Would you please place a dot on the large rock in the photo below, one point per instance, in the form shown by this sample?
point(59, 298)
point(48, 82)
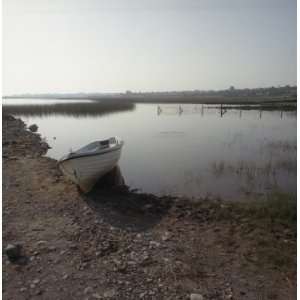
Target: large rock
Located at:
point(13, 251)
point(33, 128)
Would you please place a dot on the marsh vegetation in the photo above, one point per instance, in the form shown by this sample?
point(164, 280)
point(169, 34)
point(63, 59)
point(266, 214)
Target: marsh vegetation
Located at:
point(74, 109)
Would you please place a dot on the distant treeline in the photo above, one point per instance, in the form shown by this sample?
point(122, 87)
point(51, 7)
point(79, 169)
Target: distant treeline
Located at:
point(283, 91)
point(79, 109)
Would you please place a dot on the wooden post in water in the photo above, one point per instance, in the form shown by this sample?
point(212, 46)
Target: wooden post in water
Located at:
point(222, 111)
point(281, 114)
point(158, 110)
point(202, 108)
point(180, 110)
point(260, 114)
point(240, 113)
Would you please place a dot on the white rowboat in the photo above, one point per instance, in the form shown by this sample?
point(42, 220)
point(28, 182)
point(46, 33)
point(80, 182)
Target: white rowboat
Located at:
point(88, 164)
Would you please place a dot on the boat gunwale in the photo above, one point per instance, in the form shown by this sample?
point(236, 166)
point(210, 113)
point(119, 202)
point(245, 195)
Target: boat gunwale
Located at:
point(74, 155)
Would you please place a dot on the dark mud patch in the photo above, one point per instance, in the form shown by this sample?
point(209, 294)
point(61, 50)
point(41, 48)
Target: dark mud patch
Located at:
point(127, 210)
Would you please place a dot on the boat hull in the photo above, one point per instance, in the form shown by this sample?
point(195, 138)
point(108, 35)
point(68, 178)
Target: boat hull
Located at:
point(85, 171)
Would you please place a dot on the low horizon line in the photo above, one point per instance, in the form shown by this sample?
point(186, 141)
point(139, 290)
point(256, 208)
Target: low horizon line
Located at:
point(154, 91)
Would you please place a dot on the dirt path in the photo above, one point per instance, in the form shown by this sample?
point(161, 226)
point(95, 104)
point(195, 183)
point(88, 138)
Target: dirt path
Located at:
point(113, 244)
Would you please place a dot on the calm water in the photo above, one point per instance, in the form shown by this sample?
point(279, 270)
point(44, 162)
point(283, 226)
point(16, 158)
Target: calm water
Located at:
point(185, 149)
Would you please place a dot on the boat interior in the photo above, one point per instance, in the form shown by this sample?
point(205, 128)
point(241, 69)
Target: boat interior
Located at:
point(98, 145)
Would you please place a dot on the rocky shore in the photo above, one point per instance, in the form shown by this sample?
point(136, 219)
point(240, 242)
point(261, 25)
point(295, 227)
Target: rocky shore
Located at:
point(116, 244)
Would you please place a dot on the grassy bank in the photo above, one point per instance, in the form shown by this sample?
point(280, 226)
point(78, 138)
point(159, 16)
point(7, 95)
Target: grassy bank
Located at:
point(278, 209)
point(269, 226)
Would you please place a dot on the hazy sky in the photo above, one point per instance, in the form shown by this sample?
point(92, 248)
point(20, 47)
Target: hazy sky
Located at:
point(146, 45)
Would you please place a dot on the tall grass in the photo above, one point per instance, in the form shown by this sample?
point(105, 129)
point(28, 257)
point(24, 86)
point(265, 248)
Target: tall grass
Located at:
point(276, 209)
point(95, 108)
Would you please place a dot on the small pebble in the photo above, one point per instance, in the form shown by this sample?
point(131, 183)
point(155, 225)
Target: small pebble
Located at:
point(87, 290)
point(196, 297)
point(36, 281)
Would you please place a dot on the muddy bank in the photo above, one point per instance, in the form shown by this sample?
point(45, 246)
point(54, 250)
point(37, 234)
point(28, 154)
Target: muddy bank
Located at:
point(115, 244)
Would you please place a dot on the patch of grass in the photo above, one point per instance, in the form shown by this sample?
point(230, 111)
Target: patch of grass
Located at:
point(278, 208)
point(265, 230)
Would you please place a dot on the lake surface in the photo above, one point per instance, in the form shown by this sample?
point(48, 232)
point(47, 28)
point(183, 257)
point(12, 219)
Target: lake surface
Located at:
point(181, 149)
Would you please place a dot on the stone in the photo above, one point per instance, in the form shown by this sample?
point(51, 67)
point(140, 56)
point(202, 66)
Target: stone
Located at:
point(38, 292)
point(88, 290)
point(196, 297)
point(45, 146)
point(166, 236)
point(33, 128)
point(109, 294)
point(73, 246)
point(154, 244)
point(41, 243)
point(36, 281)
point(13, 251)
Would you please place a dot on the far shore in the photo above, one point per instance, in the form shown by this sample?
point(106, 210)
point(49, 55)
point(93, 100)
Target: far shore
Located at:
point(196, 99)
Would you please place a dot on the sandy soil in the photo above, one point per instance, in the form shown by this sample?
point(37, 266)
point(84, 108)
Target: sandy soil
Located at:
point(114, 244)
